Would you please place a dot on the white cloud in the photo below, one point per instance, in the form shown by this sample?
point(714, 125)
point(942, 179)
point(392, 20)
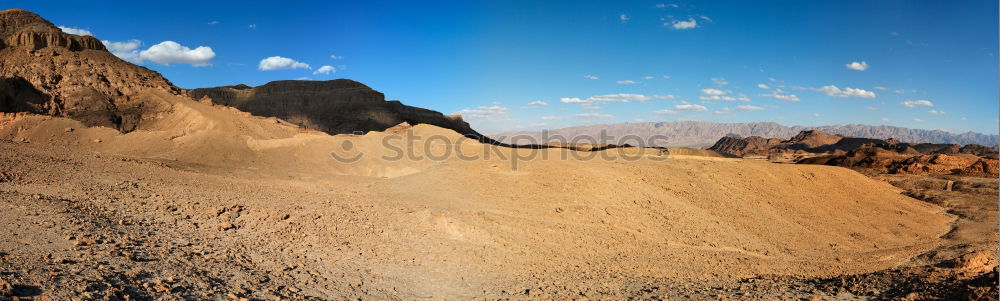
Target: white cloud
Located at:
point(553, 118)
point(590, 106)
point(745, 108)
point(537, 103)
point(710, 91)
point(914, 103)
point(167, 52)
point(832, 90)
point(608, 98)
point(721, 81)
point(710, 94)
point(918, 120)
point(776, 94)
point(724, 111)
point(711, 98)
point(213, 23)
point(620, 97)
point(816, 115)
point(852, 92)
point(885, 119)
point(624, 18)
point(690, 107)
point(871, 108)
point(763, 86)
point(126, 50)
point(325, 70)
point(862, 66)
point(626, 82)
point(647, 77)
point(936, 112)
point(336, 57)
point(76, 31)
point(663, 5)
point(590, 77)
point(277, 62)
point(252, 26)
point(683, 107)
point(881, 88)
point(690, 23)
point(494, 112)
point(963, 118)
point(665, 76)
point(593, 115)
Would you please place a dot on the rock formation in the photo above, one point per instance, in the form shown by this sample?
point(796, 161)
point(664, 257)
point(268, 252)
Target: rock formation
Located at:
point(876, 155)
point(336, 106)
point(743, 147)
point(46, 71)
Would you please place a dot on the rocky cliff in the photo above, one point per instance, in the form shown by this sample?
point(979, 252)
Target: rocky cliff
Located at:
point(745, 146)
point(877, 155)
point(336, 106)
point(46, 71)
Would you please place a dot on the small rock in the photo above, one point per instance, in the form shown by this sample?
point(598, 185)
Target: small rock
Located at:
point(69, 129)
point(6, 289)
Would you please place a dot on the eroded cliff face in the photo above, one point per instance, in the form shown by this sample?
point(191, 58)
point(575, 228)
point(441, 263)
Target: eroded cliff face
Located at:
point(336, 106)
point(46, 71)
point(877, 155)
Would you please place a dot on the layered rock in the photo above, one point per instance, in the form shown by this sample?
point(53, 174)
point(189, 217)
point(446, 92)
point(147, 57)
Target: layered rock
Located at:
point(745, 146)
point(873, 155)
point(46, 71)
point(336, 106)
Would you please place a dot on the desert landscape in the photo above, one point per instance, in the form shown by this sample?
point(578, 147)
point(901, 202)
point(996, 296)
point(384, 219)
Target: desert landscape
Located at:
point(116, 184)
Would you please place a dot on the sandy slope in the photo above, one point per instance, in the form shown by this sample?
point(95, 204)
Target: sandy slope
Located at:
point(270, 199)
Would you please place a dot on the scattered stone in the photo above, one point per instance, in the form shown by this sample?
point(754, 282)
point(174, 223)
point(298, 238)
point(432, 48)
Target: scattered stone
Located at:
point(6, 289)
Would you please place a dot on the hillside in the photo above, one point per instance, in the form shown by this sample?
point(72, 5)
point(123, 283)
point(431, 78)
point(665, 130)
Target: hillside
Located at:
point(700, 133)
point(340, 106)
point(46, 71)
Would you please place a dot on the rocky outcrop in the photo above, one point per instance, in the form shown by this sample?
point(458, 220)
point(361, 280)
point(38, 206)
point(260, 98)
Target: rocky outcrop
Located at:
point(46, 71)
point(745, 146)
point(872, 155)
point(991, 152)
point(336, 106)
point(945, 164)
point(984, 167)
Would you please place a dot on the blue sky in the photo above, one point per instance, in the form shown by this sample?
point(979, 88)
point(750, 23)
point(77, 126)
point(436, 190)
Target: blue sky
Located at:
point(527, 65)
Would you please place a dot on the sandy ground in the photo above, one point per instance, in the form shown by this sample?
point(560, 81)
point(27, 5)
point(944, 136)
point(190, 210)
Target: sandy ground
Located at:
point(206, 202)
point(91, 226)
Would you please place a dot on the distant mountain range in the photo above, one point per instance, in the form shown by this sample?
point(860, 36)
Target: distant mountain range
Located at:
point(700, 133)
